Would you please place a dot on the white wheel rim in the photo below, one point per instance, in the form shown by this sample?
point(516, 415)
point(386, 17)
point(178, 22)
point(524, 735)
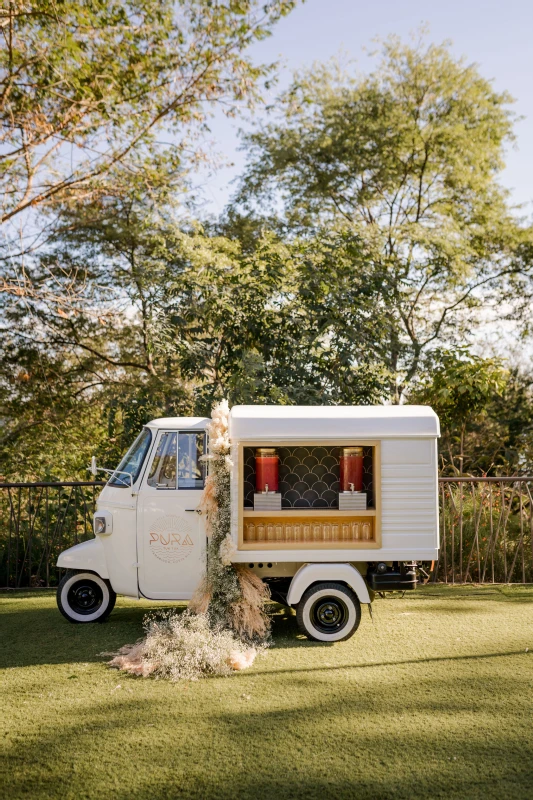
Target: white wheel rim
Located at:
point(320, 635)
point(80, 576)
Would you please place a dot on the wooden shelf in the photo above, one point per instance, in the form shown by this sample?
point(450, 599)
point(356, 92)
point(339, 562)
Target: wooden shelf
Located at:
point(309, 546)
point(309, 512)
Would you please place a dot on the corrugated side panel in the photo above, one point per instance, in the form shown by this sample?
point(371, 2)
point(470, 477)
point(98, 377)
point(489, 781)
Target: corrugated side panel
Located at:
point(409, 502)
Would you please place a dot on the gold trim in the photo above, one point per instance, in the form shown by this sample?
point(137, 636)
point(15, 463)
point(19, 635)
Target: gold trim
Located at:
point(310, 512)
point(360, 545)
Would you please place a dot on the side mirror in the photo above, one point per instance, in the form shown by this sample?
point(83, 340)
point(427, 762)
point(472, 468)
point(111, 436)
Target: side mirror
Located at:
point(95, 470)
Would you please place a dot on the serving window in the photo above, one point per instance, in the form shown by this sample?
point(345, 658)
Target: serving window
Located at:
point(327, 495)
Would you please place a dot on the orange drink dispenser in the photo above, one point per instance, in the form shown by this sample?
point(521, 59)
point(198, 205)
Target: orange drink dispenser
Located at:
point(266, 470)
point(351, 469)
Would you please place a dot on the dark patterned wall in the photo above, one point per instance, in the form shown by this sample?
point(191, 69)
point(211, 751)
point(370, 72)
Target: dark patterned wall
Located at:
point(308, 476)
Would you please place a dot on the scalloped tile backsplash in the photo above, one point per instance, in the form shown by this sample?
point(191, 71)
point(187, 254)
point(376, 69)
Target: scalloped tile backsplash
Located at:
point(308, 476)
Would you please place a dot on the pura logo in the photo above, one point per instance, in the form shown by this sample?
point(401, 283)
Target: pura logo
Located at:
point(171, 538)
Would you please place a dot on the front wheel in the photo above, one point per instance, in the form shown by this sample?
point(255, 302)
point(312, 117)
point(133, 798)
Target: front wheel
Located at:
point(85, 597)
point(329, 612)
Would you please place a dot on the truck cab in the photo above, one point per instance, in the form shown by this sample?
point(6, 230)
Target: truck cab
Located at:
point(149, 530)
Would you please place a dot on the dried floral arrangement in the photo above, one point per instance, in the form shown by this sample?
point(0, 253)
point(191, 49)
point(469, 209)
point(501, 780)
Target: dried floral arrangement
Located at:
point(226, 622)
point(231, 595)
point(183, 646)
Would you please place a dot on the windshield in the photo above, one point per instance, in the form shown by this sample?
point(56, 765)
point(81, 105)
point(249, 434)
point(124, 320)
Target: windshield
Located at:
point(133, 460)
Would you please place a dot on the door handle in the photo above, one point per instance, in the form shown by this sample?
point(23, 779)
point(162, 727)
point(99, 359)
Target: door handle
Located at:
point(192, 510)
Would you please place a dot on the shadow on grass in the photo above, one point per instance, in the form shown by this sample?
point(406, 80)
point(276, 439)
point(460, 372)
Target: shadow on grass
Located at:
point(393, 663)
point(34, 636)
point(333, 741)
point(38, 636)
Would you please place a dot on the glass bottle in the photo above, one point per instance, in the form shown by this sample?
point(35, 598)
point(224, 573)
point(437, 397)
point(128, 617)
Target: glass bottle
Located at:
point(250, 532)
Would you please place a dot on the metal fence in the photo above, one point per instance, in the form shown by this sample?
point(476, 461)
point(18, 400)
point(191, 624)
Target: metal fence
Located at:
point(486, 529)
point(37, 522)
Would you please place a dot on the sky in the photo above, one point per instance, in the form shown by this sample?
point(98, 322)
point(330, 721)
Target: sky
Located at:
point(494, 34)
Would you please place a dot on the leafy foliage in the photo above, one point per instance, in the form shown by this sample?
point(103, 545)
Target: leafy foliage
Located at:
point(170, 318)
point(86, 86)
point(460, 387)
point(406, 159)
point(370, 239)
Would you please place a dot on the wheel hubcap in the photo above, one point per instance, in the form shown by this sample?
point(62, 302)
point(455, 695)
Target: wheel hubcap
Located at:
point(85, 597)
point(329, 614)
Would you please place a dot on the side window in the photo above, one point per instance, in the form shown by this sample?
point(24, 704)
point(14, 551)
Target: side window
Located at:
point(163, 470)
point(191, 470)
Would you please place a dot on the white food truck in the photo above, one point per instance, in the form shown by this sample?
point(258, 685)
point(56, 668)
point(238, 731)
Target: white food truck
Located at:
point(329, 504)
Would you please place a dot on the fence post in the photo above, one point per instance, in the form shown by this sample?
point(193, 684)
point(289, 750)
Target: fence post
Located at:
point(31, 535)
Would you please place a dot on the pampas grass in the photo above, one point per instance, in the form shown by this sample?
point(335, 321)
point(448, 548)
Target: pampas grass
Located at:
point(248, 616)
point(230, 594)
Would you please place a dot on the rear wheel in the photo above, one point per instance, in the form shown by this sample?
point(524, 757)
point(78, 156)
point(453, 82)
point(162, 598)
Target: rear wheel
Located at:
point(329, 612)
point(85, 597)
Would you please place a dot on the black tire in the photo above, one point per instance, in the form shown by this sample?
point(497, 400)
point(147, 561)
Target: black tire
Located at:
point(328, 612)
point(84, 597)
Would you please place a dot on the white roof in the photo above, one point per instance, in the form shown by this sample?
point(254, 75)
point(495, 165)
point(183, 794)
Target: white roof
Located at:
point(336, 422)
point(179, 423)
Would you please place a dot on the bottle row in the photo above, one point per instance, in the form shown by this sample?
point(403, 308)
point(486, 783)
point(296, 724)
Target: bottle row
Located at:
point(313, 531)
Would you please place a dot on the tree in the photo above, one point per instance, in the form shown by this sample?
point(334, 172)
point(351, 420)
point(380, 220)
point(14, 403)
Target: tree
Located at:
point(407, 159)
point(102, 355)
point(497, 440)
point(460, 387)
point(170, 318)
point(86, 88)
point(284, 322)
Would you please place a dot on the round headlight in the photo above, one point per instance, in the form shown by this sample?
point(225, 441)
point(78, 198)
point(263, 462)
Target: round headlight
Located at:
point(99, 525)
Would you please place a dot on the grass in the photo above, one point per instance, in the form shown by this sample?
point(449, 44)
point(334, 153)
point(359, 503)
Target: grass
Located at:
point(433, 699)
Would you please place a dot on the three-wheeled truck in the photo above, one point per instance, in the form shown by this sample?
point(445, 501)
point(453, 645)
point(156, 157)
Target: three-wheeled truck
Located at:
point(329, 504)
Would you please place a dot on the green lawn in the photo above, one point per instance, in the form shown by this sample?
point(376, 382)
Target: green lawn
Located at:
point(432, 699)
